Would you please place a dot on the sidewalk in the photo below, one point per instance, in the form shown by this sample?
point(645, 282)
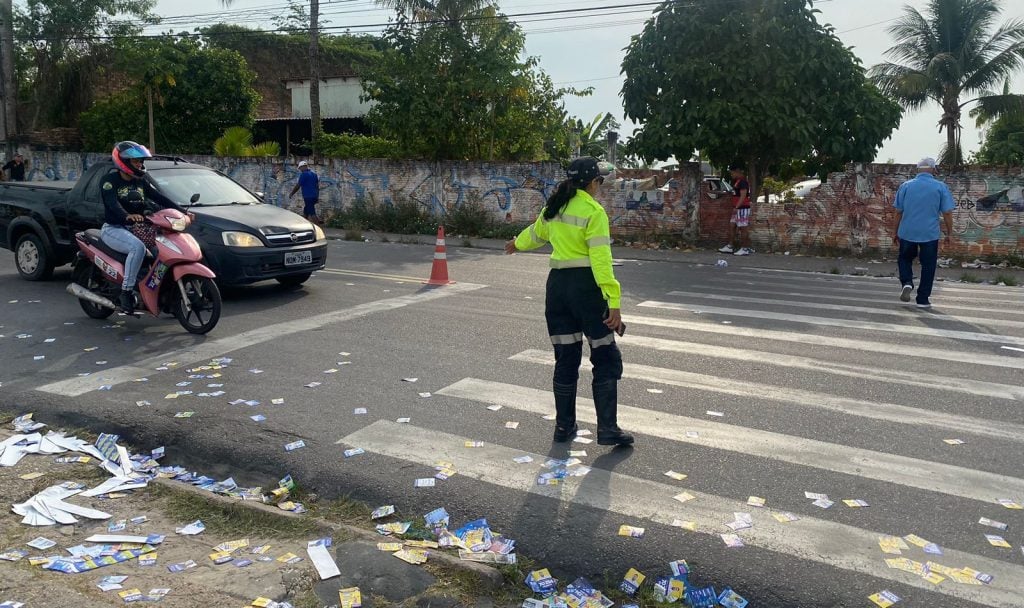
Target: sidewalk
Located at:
point(882, 267)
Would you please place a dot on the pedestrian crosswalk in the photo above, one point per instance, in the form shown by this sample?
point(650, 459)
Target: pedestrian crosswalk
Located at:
point(641, 498)
point(922, 377)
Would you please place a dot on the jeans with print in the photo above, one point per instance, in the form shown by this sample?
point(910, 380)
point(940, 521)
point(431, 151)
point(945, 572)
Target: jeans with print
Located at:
point(120, 239)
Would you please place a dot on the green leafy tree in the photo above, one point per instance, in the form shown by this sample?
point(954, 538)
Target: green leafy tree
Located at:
point(955, 49)
point(761, 84)
point(212, 92)
point(62, 47)
point(1004, 142)
point(454, 87)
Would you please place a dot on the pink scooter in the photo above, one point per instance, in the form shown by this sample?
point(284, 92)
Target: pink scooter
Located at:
point(176, 281)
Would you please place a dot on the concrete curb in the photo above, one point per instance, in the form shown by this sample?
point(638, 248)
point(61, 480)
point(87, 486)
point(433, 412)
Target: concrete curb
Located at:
point(488, 576)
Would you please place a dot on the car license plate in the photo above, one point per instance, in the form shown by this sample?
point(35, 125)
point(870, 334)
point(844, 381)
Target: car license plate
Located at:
point(297, 258)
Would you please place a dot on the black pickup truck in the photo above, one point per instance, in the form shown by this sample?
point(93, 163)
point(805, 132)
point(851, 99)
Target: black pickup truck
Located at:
point(243, 239)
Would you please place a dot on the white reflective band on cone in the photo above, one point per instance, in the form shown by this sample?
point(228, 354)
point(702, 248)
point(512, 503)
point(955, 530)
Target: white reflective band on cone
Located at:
point(440, 242)
point(441, 256)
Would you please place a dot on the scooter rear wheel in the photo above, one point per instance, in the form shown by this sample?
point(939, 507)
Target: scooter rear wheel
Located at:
point(85, 274)
point(204, 304)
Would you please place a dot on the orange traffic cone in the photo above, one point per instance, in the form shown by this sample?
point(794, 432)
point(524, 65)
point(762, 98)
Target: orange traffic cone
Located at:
point(439, 273)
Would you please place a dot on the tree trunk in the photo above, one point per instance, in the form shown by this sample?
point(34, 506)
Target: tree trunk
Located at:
point(314, 73)
point(753, 176)
point(8, 86)
point(152, 134)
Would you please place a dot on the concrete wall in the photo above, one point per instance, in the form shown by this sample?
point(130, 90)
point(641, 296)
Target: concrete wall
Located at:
point(852, 211)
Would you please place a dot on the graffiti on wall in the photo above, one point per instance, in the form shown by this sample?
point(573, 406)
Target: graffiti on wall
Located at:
point(853, 211)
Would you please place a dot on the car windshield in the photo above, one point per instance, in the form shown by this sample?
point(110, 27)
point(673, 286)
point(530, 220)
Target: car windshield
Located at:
point(213, 188)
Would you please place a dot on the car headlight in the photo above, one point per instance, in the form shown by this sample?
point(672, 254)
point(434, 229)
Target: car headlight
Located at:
point(319, 232)
point(179, 224)
point(241, 239)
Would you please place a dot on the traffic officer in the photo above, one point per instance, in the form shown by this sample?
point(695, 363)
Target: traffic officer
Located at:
point(583, 297)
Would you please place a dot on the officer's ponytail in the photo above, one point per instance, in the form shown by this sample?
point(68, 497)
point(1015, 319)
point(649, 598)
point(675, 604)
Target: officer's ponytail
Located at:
point(563, 194)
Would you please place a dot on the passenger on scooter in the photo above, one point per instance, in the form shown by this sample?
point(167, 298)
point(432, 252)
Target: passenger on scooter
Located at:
point(120, 210)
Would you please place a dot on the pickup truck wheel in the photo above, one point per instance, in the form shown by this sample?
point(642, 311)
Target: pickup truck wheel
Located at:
point(294, 280)
point(31, 259)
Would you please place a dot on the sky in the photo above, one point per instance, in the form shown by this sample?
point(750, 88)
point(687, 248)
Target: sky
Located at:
point(587, 51)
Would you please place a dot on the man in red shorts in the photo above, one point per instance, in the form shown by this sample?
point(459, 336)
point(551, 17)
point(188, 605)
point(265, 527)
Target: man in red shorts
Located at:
point(740, 221)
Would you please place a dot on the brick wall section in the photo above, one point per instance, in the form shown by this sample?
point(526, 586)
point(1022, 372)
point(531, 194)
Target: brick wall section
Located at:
point(852, 211)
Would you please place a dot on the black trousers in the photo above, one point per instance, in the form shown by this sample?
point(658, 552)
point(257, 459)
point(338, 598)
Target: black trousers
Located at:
point(574, 308)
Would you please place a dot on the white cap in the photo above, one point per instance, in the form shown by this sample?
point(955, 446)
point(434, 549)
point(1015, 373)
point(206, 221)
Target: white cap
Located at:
point(303, 163)
point(926, 163)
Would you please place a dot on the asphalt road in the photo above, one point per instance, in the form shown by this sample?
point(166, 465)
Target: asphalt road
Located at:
point(824, 384)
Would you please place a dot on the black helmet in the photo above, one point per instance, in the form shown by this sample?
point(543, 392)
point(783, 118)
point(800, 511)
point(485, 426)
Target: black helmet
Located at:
point(586, 169)
point(126, 151)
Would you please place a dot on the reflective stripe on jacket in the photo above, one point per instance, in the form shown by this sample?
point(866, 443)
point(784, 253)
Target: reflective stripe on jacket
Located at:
point(580, 238)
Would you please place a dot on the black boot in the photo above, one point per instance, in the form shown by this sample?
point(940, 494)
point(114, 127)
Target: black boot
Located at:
point(127, 301)
point(606, 401)
point(565, 412)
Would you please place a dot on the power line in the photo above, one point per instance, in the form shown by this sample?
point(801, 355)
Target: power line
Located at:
point(551, 15)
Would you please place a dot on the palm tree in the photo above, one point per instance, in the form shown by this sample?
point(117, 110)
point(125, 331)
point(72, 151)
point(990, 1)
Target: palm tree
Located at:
point(948, 53)
point(449, 11)
point(314, 69)
point(237, 141)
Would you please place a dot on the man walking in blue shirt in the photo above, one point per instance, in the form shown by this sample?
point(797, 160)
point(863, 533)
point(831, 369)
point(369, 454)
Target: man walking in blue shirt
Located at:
point(310, 185)
point(919, 204)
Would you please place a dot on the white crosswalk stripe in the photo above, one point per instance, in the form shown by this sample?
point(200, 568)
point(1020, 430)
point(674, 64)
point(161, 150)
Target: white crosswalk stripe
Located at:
point(877, 285)
point(898, 328)
point(910, 472)
point(855, 549)
point(896, 309)
point(857, 295)
point(967, 386)
point(940, 354)
point(889, 412)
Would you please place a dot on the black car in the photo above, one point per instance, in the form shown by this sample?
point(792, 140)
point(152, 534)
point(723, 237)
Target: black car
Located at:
point(243, 239)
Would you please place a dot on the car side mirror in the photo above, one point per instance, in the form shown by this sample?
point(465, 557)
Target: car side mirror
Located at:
point(194, 199)
point(260, 195)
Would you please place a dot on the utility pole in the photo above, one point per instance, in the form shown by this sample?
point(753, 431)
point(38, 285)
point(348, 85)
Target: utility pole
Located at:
point(8, 88)
point(314, 72)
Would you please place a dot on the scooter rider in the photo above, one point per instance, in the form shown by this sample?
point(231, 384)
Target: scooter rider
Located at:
point(119, 211)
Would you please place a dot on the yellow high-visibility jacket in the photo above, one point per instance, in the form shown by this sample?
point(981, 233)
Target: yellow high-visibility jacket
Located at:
point(580, 238)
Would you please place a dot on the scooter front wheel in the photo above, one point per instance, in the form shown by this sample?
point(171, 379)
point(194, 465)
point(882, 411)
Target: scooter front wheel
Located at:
point(197, 305)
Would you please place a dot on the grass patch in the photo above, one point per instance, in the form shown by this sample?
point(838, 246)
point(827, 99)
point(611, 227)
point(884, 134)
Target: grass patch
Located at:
point(834, 270)
point(404, 216)
point(1008, 279)
point(228, 518)
point(342, 510)
point(353, 233)
point(969, 278)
